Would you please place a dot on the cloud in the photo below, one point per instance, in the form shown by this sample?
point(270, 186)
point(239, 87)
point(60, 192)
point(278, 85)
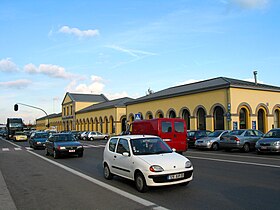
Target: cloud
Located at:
point(248, 4)
point(17, 84)
point(77, 32)
point(6, 65)
point(49, 70)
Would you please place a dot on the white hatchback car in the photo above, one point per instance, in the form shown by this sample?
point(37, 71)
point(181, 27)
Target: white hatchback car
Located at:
point(147, 160)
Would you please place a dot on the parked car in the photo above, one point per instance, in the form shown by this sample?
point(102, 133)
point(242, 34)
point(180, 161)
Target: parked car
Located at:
point(147, 160)
point(270, 142)
point(212, 141)
point(193, 135)
point(59, 144)
point(83, 135)
point(244, 140)
point(38, 139)
point(19, 136)
point(95, 135)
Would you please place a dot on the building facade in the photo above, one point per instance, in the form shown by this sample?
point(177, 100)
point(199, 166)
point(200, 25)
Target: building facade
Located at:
point(214, 104)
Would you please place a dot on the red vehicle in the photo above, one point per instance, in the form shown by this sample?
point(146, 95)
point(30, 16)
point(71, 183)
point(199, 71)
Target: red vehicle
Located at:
point(171, 130)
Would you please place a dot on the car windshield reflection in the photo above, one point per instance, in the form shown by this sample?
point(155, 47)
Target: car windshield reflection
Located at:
point(272, 134)
point(149, 146)
point(64, 138)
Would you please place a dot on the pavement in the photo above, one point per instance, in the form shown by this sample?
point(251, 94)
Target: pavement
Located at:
point(6, 201)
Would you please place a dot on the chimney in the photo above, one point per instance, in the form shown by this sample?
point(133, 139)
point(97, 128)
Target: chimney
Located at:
point(255, 76)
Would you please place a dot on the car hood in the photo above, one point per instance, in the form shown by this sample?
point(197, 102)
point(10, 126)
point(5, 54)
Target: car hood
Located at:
point(68, 143)
point(40, 140)
point(168, 161)
point(268, 140)
point(209, 139)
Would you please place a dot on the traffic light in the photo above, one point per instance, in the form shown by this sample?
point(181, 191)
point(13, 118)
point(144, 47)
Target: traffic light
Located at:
point(16, 107)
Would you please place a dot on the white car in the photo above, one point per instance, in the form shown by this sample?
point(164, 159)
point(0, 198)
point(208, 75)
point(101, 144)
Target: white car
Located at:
point(147, 160)
point(94, 135)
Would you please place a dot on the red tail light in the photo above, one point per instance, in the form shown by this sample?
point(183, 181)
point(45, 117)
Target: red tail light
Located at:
point(194, 138)
point(236, 139)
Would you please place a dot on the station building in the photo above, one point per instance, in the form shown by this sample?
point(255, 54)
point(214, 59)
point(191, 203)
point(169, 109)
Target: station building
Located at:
point(213, 104)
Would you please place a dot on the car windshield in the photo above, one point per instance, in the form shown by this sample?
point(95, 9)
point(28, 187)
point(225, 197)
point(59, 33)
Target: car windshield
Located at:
point(64, 137)
point(273, 134)
point(215, 134)
point(41, 135)
point(148, 146)
point(236, 132)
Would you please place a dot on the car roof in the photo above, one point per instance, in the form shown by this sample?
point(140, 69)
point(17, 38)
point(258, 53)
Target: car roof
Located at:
point(135, 136)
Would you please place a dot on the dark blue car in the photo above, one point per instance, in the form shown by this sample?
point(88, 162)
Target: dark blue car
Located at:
point(38, 139)
point(63, 144)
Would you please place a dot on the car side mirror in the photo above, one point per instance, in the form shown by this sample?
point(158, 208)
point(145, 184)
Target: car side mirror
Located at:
point(126, 154)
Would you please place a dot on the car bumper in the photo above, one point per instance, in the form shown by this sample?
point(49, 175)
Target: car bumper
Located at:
point(269, 149)
point(205, 145)
point(169, 178)
point(69, 152)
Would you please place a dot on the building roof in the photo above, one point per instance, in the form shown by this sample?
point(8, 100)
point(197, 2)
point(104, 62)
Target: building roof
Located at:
point(203, 86)
point(79, 97)
point(50, 116)
point(106, 105)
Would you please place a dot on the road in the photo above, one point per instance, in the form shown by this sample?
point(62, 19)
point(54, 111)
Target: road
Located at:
point(222, 180)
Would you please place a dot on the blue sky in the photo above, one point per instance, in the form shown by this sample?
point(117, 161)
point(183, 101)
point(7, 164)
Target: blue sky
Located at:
point(123, 47)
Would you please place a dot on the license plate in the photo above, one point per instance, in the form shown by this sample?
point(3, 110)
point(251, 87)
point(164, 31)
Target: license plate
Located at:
point(176, 176)
point(263, 147)
point(72, 150)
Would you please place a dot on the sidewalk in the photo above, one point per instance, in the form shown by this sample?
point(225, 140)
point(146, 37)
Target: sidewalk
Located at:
point(6, 201)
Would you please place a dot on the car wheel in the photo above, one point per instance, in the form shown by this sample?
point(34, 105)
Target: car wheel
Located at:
point(107, 173)
point(215, 146)
point(140, 183)
point(55, 155)
point(91, 138)
point(106, 138)
point(246, 147)
point(81, 154)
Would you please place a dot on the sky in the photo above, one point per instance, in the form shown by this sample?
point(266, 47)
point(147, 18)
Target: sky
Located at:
point(122, 48)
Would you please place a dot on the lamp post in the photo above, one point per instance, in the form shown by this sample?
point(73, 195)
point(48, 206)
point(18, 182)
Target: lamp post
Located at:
point(16, 109)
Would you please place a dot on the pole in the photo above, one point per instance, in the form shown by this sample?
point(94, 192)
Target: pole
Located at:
point(48, 125)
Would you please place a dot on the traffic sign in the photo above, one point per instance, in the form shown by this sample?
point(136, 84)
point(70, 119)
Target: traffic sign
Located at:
point(137, 116)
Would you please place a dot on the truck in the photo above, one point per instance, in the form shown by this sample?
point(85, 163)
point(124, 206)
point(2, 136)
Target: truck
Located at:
point(171, 130)
point(13, 125)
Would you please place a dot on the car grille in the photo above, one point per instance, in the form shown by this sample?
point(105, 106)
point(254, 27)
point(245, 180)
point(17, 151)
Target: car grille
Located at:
point(71, 147)
point(163, 178)
point(265, 144)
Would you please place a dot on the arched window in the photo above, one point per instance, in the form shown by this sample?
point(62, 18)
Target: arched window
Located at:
point(277, 118)
point(172, 114)
point(186, 117)
point(261, 120)
point(219, 123)
point(243, 118)
point(201, 119)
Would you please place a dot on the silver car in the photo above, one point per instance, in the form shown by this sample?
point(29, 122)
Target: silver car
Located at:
point(212, 141)
point(94, 135)
point(270, 142)
point(243, 140)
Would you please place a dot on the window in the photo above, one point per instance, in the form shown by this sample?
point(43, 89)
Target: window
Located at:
point(166, 127)
point(179, 127)
point(122, 146)
point(112, 144)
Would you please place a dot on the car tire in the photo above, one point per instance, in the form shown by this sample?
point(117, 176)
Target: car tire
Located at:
point(140, 183)
point(106, 138)
point(107, 173)
point(91, 138)
point(246, 148)
point(55, 155)
point(215, 146)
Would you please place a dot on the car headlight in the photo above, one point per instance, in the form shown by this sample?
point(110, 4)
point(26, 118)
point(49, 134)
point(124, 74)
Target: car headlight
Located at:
point(188, 164)
point(60, 148)
point(156, 168)
point(38, 142)
point(79, 147)
point(277, 143)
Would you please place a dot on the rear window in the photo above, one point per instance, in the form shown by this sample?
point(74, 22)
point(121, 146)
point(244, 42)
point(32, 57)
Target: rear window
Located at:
point(166, 127)
point(179, 127)
point(191, 133)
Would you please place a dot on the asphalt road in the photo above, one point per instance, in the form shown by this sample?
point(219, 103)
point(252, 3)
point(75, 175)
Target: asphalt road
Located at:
point(222, 180)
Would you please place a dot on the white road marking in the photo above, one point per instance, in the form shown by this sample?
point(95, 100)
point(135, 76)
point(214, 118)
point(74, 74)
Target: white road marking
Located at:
point(233, 161)
point(104, 185)
point(17, 149)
